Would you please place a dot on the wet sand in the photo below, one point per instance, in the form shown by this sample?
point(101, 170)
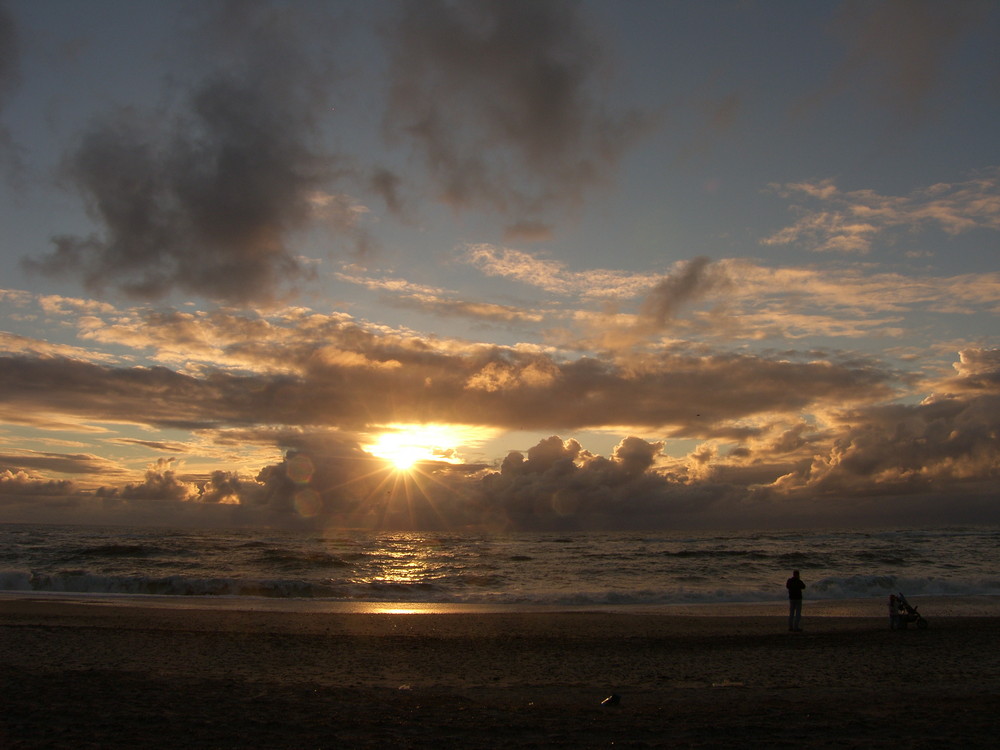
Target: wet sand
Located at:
point(76, 675)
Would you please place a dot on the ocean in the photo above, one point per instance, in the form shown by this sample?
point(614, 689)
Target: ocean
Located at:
point(559, 570)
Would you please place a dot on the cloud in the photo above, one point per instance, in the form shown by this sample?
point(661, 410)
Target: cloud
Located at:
point(327, 479)
point(436, 301)
point(754, 289)
point(560, 485)
point(865, 463)
point(553, 276)
point(21, 483)
point(484, 311)
point(732, 299)
point(780, 435)
point(499, 100)
point(978, 371)
point(160, 483)
point(14, 344)
point(881, 463)
point(9, 80)
point(691, 281)
point(9, 53)
point(941, 445)
point(900, 50)
point(157, 445)
point(80, 463)
point(342, 381)
point(852, 221)
point(204, 202)
point(528, 231)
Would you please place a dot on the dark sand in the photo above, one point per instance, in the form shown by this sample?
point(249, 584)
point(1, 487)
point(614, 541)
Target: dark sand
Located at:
point(98, 676)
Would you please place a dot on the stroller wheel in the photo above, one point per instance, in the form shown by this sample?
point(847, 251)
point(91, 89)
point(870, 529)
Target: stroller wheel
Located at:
point(921, 624)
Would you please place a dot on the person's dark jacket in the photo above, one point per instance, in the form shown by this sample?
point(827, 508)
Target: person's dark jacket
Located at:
point(794, 586)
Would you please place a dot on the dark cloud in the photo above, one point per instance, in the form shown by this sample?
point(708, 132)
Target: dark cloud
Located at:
point(205, 201)
point(388, 186)
point(944, 440)
point(338, 374)
point(156, 445)
point(562, 486)
point(62, 463)
point(328, 480)
point(498, 97)
point(9, 53)
point(692, 281)
point(900, 49)
point(160, 483)
point(10, 64)
point(782, 438)
point(226, 487)
point(528, 231)
point(21, 483)
point(945, 444)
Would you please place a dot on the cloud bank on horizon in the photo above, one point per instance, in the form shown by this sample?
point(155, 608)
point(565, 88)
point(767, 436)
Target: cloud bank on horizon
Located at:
point(597, 266)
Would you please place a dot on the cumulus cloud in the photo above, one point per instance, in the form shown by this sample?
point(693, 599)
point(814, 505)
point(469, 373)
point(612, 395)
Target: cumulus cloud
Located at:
point(776, 433)
point(22, 483)
point(205, 201)
point(328, 479)
point(161, 483)
point(228, 488)
point(978, 370)
point(872, 462)
point(499, 99)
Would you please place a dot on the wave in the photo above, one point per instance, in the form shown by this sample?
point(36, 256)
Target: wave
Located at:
point(470, 589)
point(79, 582)
point(118, 550)
point(308, 559)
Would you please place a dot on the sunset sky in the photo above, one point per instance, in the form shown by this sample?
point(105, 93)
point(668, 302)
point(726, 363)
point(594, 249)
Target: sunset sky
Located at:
point(500, 265)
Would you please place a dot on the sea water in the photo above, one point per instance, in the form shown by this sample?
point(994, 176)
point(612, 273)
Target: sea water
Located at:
point(562, 570)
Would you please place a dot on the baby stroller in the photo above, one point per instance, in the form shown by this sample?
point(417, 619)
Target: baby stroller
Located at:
point(901, 613)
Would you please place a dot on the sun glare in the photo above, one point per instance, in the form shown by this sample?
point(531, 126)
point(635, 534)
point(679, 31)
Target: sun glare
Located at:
point(405, 456)
point(405, 445)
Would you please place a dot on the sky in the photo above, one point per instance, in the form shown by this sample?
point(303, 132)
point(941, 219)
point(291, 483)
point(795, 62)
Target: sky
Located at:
point(500, 265)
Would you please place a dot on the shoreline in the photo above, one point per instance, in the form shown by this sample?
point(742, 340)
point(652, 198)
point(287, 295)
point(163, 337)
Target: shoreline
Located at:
point(75, 674)
point(984, 605)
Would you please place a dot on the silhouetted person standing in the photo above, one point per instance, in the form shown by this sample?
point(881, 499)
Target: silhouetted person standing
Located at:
point(794, 586)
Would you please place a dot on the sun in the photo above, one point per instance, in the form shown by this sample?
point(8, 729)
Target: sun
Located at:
point(403, 457)
point(404, 446)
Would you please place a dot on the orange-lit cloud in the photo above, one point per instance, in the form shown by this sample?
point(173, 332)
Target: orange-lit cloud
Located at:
point(850, 221)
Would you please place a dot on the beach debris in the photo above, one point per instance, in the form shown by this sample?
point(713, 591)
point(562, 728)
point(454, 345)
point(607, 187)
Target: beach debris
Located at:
point(612, 700)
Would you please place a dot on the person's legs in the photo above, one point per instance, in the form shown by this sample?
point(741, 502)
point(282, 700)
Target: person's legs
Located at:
point(794, 613)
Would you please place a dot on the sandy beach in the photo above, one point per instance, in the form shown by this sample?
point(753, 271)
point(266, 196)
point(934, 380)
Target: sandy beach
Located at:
point(79, 675)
